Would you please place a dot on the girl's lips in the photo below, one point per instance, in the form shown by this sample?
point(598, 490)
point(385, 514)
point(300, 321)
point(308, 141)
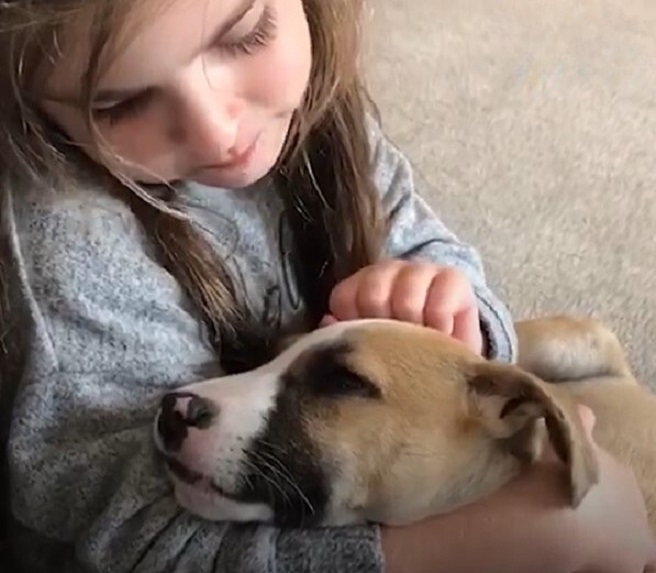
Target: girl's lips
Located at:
point(239, 160)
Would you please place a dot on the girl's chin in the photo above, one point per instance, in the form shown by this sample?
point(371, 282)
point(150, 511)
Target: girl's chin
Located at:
point(220, 178)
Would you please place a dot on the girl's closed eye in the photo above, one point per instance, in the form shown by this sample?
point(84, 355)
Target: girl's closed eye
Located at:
point(258, 36)
point(124, 109)
point(234, 43)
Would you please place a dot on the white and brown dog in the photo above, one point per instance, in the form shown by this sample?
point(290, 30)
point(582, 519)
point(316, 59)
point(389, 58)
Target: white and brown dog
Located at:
point(382, 421)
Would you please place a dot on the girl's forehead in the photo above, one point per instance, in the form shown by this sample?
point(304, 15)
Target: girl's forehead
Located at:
point(151, 40)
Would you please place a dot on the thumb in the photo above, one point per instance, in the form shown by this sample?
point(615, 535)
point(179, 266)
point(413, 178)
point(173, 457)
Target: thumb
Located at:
point(588, 420)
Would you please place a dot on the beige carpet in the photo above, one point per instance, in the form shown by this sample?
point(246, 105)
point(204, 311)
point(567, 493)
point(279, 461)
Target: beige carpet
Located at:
point(532, 125)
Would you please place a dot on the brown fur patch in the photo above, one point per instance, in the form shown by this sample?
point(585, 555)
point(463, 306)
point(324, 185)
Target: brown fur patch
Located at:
point(414, 446)
point(564, 348)
point(444, 426)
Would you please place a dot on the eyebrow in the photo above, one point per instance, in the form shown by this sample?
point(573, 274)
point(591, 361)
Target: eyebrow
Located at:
point(114, 95)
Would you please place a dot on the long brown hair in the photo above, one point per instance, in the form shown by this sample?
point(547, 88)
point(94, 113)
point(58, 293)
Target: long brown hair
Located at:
point(324, 174)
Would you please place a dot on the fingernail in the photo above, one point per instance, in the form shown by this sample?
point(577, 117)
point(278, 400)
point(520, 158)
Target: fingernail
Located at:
point(327, 320)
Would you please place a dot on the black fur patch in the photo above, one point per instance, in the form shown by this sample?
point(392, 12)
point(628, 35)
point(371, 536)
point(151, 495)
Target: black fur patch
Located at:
point(327, 375)
point(284, 468)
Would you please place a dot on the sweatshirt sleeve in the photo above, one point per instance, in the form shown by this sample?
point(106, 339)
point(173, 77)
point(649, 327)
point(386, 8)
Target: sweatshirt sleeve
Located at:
point(104, 332)
point(416, 232)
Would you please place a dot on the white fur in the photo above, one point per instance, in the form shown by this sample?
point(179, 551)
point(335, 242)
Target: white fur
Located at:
point(209, 505)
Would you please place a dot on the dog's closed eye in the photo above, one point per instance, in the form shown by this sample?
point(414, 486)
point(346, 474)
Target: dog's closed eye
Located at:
point(327, 373)
point(341, 381)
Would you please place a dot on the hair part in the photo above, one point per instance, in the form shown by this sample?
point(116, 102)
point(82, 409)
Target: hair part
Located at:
point(324, 174)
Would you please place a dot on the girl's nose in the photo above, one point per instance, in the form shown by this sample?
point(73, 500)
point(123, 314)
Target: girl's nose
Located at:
point(209, 120)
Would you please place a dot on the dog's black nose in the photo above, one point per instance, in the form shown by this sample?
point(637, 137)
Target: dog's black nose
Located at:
point(199, 412)
point(180, 411)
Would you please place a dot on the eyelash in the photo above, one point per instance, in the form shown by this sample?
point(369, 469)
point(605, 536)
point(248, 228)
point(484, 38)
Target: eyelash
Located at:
point(124, 109)
point(259, 37)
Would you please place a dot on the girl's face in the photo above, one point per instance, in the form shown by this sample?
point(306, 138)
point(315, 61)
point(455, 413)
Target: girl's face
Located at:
point(204, 90)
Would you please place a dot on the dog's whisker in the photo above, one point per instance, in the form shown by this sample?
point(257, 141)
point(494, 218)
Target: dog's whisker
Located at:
point(285, 474)
point(417, 453)
point(276, 471)
point(270, 482)
point(272, 446)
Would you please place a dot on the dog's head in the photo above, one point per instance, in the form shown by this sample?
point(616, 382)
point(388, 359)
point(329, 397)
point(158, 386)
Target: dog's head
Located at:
point(363, 421)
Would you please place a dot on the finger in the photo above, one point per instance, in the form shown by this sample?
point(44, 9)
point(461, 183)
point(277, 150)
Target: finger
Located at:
point(410, 290)
point(467, 328)
point(372, 299)
point(342, 299)
point(588, 419)
point(448, 294)
point(327, 320)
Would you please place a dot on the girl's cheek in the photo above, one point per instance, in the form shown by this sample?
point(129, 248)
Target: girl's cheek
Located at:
point(279, 75)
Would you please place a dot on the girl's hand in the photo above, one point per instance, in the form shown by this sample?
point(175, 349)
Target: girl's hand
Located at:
point(418, 292)
point(611, 528)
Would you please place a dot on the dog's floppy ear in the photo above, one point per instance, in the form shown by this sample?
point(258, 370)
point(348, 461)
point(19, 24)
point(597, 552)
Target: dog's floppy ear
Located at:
point(510, 403)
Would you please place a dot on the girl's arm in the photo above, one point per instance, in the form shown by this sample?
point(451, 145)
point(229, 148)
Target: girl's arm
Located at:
point(99, 332)
point(417, 233)
point(525, 529)
point(529, 526)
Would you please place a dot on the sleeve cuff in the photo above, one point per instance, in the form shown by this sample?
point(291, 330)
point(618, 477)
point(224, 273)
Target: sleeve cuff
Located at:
point(498, 330)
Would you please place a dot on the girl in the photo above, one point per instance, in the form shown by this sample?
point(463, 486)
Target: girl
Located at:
point(183, 182)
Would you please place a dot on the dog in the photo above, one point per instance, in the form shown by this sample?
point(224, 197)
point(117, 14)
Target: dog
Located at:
point(387, 422)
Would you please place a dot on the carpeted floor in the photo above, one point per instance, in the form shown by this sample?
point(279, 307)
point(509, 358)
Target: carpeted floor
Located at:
point(532, 126)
